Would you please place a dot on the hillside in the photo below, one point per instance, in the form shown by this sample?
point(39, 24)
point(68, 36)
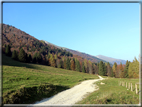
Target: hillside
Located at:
point(77, 53)
point(86, 56)
point(38, 81)
point(38, 51)
point(111, 60)
point(18, 39)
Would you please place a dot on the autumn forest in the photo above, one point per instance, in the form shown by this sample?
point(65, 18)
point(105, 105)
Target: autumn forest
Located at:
point(22, 47)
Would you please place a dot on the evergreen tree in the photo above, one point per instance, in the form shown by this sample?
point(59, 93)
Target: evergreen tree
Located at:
point(83, 67)
point(48, 56)
point(68, 64)
point(77, 65)
point(34, 58)
point(98, 65)
point(104, 69)
point(126, 69)
point(39, 57)
point(61, 64)
point(96, 69)
point(64, 63)
point(22, 55)
point(112, 74)
point(109, 69)
point(90, 67)
point(93, 68)
point(30, 57)
point(14, 55)
point(8, 51)
point(85, 64)
point(26, 57)
point(101, 68)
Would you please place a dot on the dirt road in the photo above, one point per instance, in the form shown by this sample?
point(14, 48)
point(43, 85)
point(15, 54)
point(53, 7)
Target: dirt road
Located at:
point(71, 96)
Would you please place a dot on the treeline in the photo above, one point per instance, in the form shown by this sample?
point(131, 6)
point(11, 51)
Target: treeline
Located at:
point(53, 59)
point(129, 70)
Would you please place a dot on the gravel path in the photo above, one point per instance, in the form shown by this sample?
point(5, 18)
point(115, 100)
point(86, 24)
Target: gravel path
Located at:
point(71, 96)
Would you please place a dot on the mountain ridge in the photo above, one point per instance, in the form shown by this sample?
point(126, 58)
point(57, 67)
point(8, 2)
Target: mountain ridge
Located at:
point(111, 60)
point(81, 54)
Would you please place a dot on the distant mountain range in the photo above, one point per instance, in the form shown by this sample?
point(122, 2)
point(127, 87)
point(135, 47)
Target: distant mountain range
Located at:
point(111, 60)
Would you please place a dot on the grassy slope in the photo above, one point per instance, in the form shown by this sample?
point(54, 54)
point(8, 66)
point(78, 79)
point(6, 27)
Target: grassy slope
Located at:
point(17, 75)
point(112, 93)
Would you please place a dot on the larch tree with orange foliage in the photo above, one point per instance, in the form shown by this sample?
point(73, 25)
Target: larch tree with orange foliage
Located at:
point(121, 70)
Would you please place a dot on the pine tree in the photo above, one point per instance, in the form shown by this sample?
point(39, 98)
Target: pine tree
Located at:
point(22, 55)
point(30, 57)
point(83, 67)
point(39, 58)
point(96, 69)
point(64, 63)
point(26, 57)
point(90, 67)
point(93, 68)
point(8, 51)
point(14, 55)
point(34, 58)
point(68, 64)
point(98, 64)
point(61, 64)
point(126, 69)
point(112, 74)
point(77, 65)
point(101, 68)
point(85, 64)
point(104, 69)
point(109, 69)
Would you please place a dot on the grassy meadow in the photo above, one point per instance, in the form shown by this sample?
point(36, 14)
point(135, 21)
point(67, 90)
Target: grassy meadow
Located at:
point(27, 83)
point(112, 93)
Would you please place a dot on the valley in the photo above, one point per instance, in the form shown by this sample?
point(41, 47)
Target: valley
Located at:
point(34, 70)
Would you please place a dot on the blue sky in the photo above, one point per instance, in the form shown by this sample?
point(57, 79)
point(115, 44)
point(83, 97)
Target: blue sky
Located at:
point(110, 29)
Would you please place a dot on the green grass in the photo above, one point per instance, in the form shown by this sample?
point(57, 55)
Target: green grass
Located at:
point(112, 93)
point(18, 76)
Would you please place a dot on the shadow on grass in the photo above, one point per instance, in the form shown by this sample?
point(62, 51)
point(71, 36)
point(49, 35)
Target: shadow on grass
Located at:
point(10, 62)
point(30, 95)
